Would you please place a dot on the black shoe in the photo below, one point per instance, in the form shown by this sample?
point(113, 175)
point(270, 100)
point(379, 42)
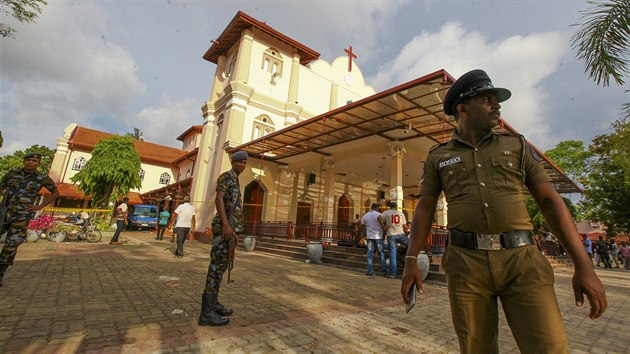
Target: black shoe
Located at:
point(208, 315)
point(222, 310)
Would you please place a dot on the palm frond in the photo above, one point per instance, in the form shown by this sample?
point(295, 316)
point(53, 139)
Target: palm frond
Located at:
point(603, 41)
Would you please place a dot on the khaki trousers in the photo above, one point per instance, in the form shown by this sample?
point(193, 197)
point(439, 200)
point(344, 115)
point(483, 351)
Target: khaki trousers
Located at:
point(523, 279)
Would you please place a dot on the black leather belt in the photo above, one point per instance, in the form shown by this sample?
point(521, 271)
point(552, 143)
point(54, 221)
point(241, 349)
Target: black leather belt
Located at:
point(490, 242)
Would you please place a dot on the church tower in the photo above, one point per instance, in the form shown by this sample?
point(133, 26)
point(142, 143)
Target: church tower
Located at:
point(264, 81)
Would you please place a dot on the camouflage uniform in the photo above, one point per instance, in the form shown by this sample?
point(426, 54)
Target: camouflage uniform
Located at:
point(227, 183)
point(20, 188)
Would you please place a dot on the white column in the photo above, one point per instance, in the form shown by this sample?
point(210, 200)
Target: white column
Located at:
point(329, 189)
point(396, 151)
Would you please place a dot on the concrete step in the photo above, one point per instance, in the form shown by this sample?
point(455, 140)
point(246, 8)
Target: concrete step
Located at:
point(335, 256)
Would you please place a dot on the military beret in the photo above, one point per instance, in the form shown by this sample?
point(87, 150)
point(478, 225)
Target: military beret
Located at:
point(471, 84)
point(36, 155)
point(239, 156)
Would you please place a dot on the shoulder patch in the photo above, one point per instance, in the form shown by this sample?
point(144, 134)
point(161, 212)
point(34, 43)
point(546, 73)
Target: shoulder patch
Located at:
point(438, 145)
point(534, 154)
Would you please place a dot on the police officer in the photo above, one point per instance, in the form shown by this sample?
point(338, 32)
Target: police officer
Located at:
point(19, 187)
point(227, 223)
point(491, 253)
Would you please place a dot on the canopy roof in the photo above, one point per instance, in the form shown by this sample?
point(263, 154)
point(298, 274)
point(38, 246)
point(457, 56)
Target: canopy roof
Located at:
point(357, 134)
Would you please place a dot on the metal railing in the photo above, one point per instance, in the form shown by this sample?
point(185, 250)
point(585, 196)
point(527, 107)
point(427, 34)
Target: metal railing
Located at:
point(340, 233)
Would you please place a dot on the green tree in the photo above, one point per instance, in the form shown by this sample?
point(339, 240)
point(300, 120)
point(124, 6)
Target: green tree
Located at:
point(112, 171)
point(603, 42)
point(537, 217)
point(16, 160)
point(620, 146)
point(607, 196)
point(21, 10)
point(573, 158)
point(137, 134)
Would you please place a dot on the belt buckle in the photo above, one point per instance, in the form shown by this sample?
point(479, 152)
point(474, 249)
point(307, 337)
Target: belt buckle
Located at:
point(489, 242)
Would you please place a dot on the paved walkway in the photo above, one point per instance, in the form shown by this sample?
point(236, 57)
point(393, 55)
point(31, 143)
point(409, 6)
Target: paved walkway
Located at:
point(136, 298)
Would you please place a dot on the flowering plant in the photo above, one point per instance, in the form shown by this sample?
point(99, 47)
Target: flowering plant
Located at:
point(42, 223)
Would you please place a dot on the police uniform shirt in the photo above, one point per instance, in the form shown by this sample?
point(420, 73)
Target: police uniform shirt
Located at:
point(228, 184)
point(483, 185)
point(21, 189)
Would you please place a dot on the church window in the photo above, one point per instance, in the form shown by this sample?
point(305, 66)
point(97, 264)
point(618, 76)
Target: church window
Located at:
point(79, 163)
point(165, 178)
point(141, 175)
point(273, 57)
point(231, 69)
point(263, 125)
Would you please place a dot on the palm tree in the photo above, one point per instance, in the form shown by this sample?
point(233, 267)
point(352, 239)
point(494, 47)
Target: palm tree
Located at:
point(603, 42)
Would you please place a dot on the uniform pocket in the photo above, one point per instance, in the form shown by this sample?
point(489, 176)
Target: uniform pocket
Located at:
point(506, 172)
point(452, 178)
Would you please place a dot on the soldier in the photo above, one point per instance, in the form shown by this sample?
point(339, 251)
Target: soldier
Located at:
point(227, 223)
point(491, 253)
point(20, 188)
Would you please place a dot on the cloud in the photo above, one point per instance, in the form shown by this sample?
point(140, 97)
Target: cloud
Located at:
point(519, 63)
point(61, 70)
point(330, 26)
point(162, 125)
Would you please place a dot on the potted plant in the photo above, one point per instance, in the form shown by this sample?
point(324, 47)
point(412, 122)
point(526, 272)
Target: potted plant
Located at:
point(38, 227)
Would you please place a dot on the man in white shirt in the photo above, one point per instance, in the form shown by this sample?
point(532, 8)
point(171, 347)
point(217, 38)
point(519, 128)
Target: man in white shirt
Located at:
point(184, 218)
point(395, 222)
point(121, 221)
point(374, 236)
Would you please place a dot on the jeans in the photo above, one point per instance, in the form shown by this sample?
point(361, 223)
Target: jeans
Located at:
point(120, 225)
point(370, 255)
point(182, 233)
point(392, 242)
point(160, 232)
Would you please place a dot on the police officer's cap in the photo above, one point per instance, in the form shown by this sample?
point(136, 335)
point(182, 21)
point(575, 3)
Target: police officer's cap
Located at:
point(239, 156)
point(36, 155)
point(471, 84)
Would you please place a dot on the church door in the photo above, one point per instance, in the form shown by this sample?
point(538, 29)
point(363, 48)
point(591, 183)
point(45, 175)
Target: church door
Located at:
point(303, 213)
point(343, 210)
point(252, 202)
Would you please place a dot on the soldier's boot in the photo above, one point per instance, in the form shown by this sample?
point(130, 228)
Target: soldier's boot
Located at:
point(208, 315)
point(3, 269)
point(222, 310)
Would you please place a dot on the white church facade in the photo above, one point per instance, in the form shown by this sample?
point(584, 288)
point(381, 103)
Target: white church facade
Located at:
point(323, 145)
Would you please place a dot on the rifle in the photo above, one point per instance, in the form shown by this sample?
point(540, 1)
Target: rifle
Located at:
point(4, 209)
point(231, 255)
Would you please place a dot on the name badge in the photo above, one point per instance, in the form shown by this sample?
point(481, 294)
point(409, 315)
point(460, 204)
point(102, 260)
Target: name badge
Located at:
point(449, 162)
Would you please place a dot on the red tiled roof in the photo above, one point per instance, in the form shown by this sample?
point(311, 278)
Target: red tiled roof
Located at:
point(85, 138)
point(71, 191)
point(67, 190)
point(196, 128)
point(242, 21)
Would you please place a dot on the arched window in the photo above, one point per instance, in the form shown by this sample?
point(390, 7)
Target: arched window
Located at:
point(165, 178)
point(231, 68)
point(79, 163)
point(272, 56)
point(141, 175)
point(263, 125)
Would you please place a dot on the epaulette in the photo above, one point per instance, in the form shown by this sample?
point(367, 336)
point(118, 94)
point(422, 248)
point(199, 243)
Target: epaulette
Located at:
point(438, 145)
point(504, 133)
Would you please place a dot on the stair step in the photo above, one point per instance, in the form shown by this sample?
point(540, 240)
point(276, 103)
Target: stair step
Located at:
point(355, 257)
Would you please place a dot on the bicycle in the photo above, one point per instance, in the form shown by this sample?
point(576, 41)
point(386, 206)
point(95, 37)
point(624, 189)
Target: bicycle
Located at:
point(83, 232)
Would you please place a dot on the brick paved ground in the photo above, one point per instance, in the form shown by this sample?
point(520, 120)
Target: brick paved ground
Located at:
point(96, 298)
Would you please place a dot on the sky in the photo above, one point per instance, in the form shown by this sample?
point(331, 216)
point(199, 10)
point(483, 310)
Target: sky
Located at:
point(115, 65)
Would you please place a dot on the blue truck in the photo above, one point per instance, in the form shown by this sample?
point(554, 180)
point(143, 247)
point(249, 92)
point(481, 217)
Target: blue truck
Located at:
point(142, 217)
